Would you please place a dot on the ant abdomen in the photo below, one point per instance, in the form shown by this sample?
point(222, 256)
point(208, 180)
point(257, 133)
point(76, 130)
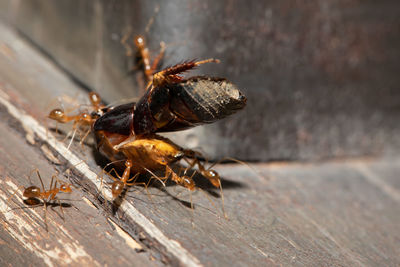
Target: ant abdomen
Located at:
point(213, 177)
point(32, 192)
point(116, 188)
point(57, 115)
point(188, 183)
point(95, 99)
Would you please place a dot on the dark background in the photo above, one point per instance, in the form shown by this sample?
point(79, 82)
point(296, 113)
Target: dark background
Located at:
point(321, 77)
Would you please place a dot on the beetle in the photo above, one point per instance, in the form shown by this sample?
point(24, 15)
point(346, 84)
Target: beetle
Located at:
point(171, 103)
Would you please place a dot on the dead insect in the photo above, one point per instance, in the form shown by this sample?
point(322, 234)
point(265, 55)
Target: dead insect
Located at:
point(171, 103)
point(36, 196)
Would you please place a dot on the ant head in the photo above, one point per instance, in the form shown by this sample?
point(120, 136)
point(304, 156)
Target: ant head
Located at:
point(116, 188)
point(66, 188)
point(213, 177)
point(128, 163)
point(32, 192)
point(85, 115)
point(188, 183)
point(94, 98)
point(139, 41)
point(57, 115)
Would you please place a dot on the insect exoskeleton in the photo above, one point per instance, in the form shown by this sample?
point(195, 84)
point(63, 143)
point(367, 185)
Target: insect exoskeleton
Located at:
point(171, 103)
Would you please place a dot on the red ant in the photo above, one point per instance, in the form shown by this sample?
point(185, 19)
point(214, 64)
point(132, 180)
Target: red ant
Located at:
point(34, 195)
point(83, 120)
point(123, 181)
point(143, 51)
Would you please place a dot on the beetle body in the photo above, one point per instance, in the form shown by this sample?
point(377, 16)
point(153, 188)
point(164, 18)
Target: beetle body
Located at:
point(128, 131)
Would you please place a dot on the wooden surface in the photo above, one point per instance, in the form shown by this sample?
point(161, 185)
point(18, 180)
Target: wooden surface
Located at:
point(343, 213)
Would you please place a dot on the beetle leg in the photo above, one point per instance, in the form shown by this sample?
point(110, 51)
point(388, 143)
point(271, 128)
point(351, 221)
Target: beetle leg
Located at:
point(158, 58)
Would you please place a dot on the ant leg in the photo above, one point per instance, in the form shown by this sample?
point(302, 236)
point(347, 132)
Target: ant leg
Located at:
point(51, 183)
point(151, 20)
point(209, 174)
point(13, 194)
point(109, 173)
point(112, 176)
point(61, 209)
point(124, 42)
point(133, 179)
point(85, 136)
point(160, 179)
point(215, 180)
point(40, 179)
point(72, 138)
point(146, 185)
point(102, 174)
point(158, 58)
point(45, 215)
point(66, 137)
point(119, 185)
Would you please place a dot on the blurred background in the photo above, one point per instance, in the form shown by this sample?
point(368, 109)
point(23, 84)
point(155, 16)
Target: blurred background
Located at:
point(321, 77)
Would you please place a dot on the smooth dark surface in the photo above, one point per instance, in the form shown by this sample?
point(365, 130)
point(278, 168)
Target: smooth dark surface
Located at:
point(321, 77)
point(117, 120)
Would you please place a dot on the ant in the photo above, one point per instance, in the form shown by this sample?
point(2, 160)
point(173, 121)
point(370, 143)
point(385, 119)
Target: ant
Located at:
point(143, 52)
point(83, 120)
point(34, 195)
point(120, 184)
